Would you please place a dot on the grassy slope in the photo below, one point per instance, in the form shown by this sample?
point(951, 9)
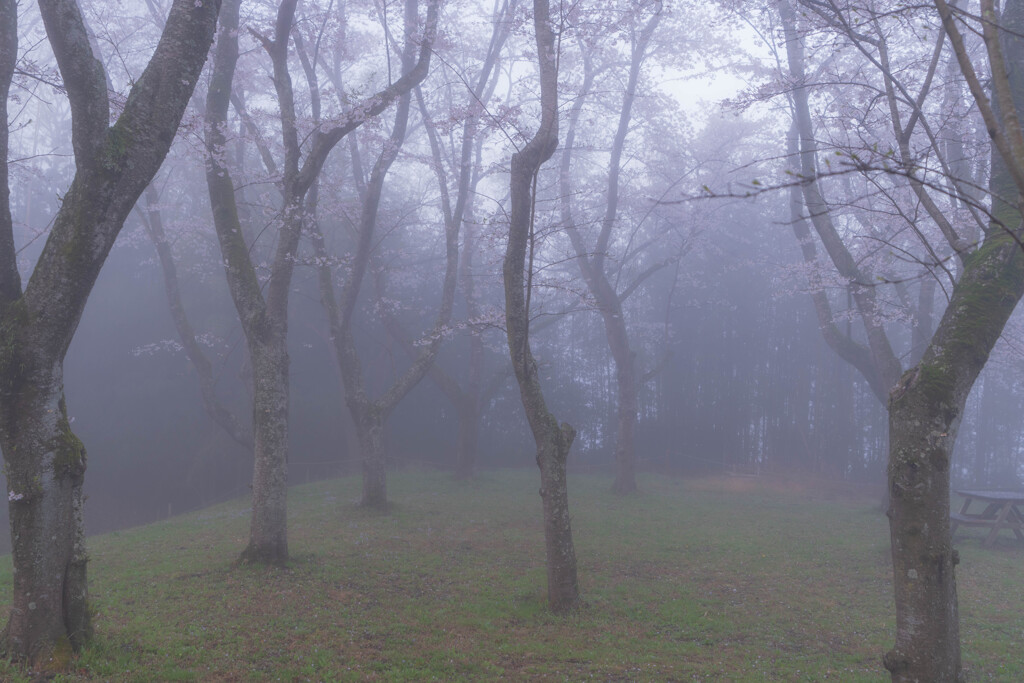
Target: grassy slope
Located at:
point(681, 583)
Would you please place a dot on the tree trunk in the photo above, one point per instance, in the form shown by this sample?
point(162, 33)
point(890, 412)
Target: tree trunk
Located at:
point(592, 258)
point(925, 410)
point(264, 319)
point(268, 537)
point(625, 379)
point(553, 440)
point(369, 421)
point(368, 415)
point(215, 409)
point(552, 454)
point(926, 406)
point(44, 460)
point(470, 404)
point(922, 432)
point(45, 472)
point(876, 360)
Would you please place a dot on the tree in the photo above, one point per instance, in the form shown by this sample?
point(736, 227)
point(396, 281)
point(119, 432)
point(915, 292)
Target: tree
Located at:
point(875, 360)
point(264, 318)
point(44, 459)
point(460, 160)
point(986, 279)
point(600, 272)
point(467, 398)
point(926, 406)
point(151, 215)
point(369, 415)
point(222, 416)
point(553, 439)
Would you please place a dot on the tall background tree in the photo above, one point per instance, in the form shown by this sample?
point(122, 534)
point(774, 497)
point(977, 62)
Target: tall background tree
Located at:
point(611, 277)
point(369, 415)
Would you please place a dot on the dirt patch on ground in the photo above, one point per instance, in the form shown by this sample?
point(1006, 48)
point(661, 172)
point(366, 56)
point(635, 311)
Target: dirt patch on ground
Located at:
point(803, 486)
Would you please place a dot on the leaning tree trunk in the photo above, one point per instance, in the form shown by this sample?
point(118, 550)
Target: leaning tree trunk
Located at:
point(553, 440)
point(215, 409)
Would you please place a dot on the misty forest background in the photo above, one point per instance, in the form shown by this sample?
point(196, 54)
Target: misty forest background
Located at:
point(734, 374)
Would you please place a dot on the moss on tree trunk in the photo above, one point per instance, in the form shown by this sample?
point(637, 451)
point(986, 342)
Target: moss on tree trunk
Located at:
point(925, 410)
point(45, 461)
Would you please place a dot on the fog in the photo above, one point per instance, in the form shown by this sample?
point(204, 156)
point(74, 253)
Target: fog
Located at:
point(734, 374)
point(477, 241)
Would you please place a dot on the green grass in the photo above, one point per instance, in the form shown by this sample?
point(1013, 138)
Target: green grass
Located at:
point(686, 581)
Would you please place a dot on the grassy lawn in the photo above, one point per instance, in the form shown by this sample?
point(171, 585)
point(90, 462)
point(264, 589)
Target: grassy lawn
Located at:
point(689, 580)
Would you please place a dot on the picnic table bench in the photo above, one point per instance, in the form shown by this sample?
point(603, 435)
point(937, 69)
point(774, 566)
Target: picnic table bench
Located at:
point(1001, 511)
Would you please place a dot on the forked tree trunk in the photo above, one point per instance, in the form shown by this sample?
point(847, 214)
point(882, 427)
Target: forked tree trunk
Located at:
point(553, 440)
point(263, 313)
point(924, 414)
point(44, 460)
point(591, 258)
point(370, 415)
point(875, 360)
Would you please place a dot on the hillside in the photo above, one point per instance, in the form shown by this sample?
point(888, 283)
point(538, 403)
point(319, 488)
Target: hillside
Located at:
point(687, 581)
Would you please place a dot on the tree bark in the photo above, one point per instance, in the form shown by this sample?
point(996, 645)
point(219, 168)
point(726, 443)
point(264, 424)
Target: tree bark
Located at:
point(268, 531)
point(45, 461)
point(925, 410)
point(625, 444)
point(553, 439)
point(370, 431)
point(45, 472)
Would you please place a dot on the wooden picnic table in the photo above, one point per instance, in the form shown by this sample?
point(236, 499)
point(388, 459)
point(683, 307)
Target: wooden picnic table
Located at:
point(1001, 511)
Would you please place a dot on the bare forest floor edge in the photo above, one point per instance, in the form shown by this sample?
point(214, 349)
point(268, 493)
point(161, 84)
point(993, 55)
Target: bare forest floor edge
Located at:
point(689, 580)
